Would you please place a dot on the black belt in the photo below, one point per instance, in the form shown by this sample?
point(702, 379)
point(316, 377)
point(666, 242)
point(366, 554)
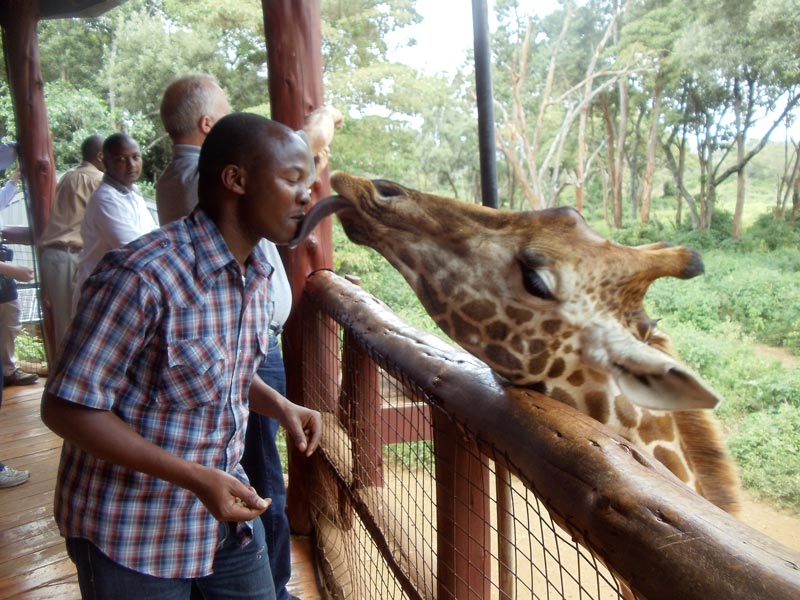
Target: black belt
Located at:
point(65, 246)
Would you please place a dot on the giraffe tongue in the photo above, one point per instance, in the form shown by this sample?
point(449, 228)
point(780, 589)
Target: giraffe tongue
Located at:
point(323, 208)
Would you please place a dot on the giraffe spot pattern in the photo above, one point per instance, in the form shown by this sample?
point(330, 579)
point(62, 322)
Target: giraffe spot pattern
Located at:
point(656, 427)
point(537, 363)
point(430, 298)
point(625, 411)
point(408, 258)
point(497, 330)
point(502, 358)
point(519, 315)
point(479, 310)
point(551, 326)
point(576, 378)
point(672, 460)
point(557, 368)
point(563, 396)
point(537, 345)
point(463, 329)
point(597, 376)
point(597, 406)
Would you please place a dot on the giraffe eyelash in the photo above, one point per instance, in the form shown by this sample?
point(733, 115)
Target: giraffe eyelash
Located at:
point(535, 284)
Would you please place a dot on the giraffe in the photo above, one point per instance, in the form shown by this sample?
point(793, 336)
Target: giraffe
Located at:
point(548, 303)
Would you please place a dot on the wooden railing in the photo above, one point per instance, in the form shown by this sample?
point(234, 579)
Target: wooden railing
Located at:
point(436, 479)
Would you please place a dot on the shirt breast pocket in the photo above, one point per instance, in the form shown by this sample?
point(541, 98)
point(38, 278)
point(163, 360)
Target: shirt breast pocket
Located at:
point(195, 373)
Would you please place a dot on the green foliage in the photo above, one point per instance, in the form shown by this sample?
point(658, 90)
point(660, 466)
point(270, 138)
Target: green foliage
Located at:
point(29, 348)
point(409, 455)
point(771, 233)
point(759, 291)
point(73, 116)
point(765, 445)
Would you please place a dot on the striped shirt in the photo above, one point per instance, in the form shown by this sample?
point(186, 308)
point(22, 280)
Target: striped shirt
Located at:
point(168, 335)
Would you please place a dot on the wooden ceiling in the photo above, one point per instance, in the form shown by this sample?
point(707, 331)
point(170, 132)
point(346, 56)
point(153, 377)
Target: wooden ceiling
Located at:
point(57, 9)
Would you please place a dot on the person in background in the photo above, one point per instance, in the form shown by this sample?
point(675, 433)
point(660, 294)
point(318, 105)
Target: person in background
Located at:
point(61, 241)
point(10, 477)
point(157, 377)
point(189, 108)
point(116, 213)
point(10, 311)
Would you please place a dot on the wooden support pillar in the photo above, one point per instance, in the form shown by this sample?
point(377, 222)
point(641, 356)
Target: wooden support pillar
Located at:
point(361, 390)
point(18, 19)
point(294, 61)
point(463, 520)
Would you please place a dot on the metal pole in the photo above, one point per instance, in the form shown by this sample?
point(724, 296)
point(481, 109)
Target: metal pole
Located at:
point(483, 84)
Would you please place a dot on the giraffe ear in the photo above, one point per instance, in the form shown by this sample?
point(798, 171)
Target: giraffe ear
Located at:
point(645, 375)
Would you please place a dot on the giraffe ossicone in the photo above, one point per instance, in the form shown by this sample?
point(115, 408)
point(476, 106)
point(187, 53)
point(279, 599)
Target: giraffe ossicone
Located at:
point(547, 302)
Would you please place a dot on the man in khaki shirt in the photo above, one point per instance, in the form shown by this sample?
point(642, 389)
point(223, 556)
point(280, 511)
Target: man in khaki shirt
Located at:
point(61, 242)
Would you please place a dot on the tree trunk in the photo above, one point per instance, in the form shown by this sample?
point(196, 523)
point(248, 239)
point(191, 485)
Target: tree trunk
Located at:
point(581, 161)
point(622, 131)
point(736, 229)
point(652, 141)
point(613, 174)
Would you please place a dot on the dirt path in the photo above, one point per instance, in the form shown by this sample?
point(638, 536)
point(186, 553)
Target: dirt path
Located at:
point(780, 525)
point(782, 354)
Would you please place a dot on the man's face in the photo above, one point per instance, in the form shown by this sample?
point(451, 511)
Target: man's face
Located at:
point(124, 163)
point(277, 195)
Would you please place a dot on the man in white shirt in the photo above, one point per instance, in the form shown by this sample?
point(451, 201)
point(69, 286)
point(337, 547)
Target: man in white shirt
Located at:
point(116, 213)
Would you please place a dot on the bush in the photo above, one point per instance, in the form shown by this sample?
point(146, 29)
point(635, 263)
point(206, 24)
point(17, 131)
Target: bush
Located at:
point(759, 291)
point(759, 444)
point(29, 348)
point(769, 233)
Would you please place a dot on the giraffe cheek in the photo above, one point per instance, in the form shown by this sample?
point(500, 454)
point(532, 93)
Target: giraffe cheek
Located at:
point(465, 331)
point(503, 361)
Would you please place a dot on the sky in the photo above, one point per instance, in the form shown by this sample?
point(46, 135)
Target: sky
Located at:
point(445, 34)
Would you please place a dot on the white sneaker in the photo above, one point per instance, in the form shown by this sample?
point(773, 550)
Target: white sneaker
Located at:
point(10, 477)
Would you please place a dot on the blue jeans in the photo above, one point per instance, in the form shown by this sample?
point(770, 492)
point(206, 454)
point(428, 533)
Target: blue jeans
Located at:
point(262, 463)
point(239, 572)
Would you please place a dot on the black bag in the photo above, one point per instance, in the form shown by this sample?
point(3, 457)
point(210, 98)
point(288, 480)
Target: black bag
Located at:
point(8, 289)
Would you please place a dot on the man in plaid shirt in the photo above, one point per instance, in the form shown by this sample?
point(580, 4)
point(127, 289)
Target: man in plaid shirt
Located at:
point(152, 391)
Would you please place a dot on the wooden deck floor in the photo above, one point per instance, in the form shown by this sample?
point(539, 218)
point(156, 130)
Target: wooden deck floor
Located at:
point(33, 560)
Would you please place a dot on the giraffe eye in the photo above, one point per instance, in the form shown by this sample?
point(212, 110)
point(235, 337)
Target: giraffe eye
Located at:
point(535, 285)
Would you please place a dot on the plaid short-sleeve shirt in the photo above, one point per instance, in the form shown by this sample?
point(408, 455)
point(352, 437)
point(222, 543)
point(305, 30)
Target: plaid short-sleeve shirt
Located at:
point(168, 335)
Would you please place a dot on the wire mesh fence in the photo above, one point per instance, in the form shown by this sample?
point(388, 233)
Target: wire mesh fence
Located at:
point(437, 480)
point(408, 505)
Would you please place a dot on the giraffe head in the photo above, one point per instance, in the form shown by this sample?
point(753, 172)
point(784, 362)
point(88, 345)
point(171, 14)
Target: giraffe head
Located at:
point(539, 296)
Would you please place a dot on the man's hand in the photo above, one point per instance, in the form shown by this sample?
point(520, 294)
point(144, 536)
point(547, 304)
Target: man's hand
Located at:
point(303, 426)
point(21, 273)
point(320, 126)
point(227, 498)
